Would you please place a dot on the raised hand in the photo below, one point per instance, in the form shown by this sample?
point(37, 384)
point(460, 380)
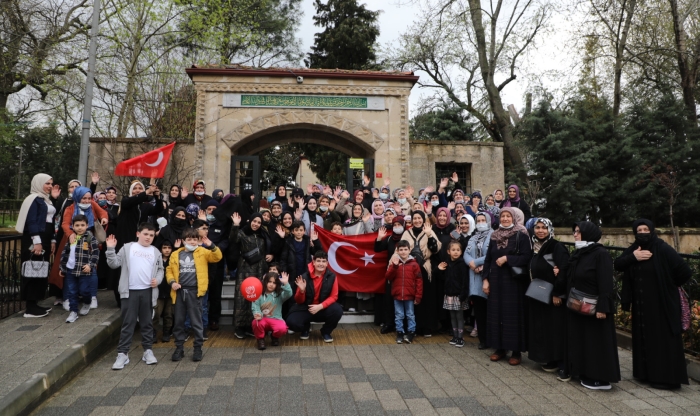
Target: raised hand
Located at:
point(451, 205)
point(331, 205)
point(301, 283)
point(338, 191)
point(150, 189)
point(55, 191)
point(202, 215)
point(427, 227)
point(111, 241)
point(314, 233)
point(381, 233)
point(428, 210)
point(309, 189)
point(455, 178)
point(206, 242)
point(284, 278)
point(184, 193)
point(366, 217)
point(409, 190)
point(429, 189)
point(298, 214)
point(443, 183)
point(95, 178)
point(387, 182)
point(302, 204)
point(365, 180)
point(236, 218)
point(177, 244)
point(442, 266)
point(279, 230)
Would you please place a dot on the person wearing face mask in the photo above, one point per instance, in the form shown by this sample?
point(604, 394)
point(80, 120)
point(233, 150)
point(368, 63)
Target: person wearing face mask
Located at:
point(591, 340)
point(102, 199)
point(547, 321)
point(326, 209)
point(405, 201)
point(474, 256)
point(387, 238)
point(384, 193)
point(82, 203)
point(198, 195)
point(218, 195)
point(173, 231)
point(506, 311)
point(653, 274)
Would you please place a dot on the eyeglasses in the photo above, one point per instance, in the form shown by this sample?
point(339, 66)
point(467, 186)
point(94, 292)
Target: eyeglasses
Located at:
point(577, 232)
point(203, 229)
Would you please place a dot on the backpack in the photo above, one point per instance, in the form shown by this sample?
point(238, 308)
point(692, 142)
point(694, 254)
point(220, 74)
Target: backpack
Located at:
point(416, 252)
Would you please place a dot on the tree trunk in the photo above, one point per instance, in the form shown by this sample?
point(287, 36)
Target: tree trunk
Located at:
point(500, 116)
point(685, 68)
point(4, 115)
point(619, 53)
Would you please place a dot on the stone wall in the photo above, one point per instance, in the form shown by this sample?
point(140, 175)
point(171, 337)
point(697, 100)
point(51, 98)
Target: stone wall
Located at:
point(623, 237)
point(486, 159)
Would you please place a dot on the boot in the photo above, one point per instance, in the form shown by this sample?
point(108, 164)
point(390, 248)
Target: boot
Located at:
point(275, 342)
point(261, 344)
point(167, 333)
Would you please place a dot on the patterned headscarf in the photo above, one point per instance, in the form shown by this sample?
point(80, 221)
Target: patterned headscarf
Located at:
point(536, 242)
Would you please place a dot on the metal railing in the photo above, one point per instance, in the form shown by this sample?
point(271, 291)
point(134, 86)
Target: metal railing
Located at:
point(623, 320)
point(9, 210)
point(10, 266)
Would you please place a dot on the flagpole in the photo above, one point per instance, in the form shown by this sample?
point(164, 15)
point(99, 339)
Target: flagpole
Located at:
point(90, 80)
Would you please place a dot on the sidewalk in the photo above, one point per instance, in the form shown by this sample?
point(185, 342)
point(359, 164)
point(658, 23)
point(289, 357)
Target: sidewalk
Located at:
point(50, 347)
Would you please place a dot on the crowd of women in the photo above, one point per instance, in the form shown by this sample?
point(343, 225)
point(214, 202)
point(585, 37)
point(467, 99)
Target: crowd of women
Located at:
point(526, 292)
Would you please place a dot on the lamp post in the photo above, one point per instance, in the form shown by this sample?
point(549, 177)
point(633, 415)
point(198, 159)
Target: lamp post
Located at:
point(19, 174)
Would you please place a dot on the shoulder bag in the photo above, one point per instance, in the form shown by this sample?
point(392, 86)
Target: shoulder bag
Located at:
point(100, 234)
point(541, 290)
point(253, 256)
point(35, 269)
point(515, 271)
point(581, 302)
point(685, 310)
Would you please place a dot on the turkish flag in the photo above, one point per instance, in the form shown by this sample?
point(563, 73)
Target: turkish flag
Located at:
point(354, 262)
point(148, 165)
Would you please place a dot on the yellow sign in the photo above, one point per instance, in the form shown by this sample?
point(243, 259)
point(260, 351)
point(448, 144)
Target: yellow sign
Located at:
point(356, 163)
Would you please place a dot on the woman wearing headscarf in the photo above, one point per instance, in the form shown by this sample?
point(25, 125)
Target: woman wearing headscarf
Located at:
point(444, 231)
point(311, 214)
point(475, 205)
point(506, 310)
point(547, 321)
point(424, 244)
point(175, 198)
point(252, 243)
point(592, 341)
point(35, 222)
point(218, 195)
point(246, 209)
point(474, 256)
point(198, 195)
point(281, 196)
point(491, 205)
point(173, 231)
point(384, 303)
point(515, 201)
point(360, 221)
point(498, 196)
point(653, 273)
point(465, 229)
point(377, 214)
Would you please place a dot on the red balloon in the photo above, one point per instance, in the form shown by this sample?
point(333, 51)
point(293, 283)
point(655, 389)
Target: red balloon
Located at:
point(251, 289)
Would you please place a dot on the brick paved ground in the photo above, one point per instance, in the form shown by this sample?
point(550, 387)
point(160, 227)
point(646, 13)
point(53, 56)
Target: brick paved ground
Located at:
point(380, 378)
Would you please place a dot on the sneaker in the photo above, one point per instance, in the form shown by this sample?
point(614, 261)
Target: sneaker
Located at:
point(178, 354)
point(72, 317)
point(85, 309)
point(275, 342)
point(47, 309)
point(57, 302)
point(35, 313)
point(459, 343)
point(408, 338)
point(290, 332)
point(327, 337)
point(304, 335)
point(166, 336)
point(550, 368)
point(204, 335)
point(399, 337)
point(595, 385)
point(197, 354)
point(562, 375)
point(149, 358)
point(93, 303)
point(474, 333)
point(453, 341)
point(66, 305)
point(122, 360)
point(427, 334)
point(240, 333)
point(351, 309)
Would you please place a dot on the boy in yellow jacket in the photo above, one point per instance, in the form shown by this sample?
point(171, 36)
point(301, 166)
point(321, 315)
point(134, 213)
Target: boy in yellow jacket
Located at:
point(188, 277)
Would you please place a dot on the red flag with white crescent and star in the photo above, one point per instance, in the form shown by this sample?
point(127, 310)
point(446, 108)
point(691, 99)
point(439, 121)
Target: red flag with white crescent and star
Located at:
point(354, 262)
point(148, 165)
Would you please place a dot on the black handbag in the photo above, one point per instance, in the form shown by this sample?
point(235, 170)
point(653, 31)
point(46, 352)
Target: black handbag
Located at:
point(253, 256)
point(515, 271)
point(582, 303)
point(540, 290)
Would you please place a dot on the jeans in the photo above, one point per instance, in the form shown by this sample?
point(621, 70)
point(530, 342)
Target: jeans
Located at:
point(93, 283)
point(404, 308)
point(299, 318)
point(75, 287)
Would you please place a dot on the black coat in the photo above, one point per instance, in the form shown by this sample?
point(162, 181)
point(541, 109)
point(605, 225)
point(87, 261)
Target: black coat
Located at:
point(192, 199)
point(455, 278)
point(133, 211)
point(288, 260)
point(326, 290)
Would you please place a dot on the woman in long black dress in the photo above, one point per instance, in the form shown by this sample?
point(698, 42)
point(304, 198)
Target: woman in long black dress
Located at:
point(651, 288)
point(506, 311)
point(547, 321)
point(591, 340)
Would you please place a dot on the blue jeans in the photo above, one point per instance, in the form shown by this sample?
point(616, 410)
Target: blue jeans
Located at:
point(76, 287)
point(205, 313)
point(404, 308)
point(93, 283)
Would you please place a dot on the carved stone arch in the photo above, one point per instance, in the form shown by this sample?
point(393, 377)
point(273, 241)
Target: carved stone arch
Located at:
point(303, 126)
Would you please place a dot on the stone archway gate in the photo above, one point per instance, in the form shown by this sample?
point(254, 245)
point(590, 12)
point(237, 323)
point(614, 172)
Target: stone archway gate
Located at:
point(241, 111)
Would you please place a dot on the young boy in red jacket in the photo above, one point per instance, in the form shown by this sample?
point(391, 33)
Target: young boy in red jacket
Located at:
point(406, 289)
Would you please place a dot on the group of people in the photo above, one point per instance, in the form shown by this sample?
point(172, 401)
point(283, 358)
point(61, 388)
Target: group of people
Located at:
point(452, 255)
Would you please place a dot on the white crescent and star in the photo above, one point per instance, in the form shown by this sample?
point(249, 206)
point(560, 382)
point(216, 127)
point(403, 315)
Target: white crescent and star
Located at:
point(160, 159)
point(367, 258)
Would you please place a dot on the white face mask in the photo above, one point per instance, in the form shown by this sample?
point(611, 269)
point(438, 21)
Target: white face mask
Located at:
point(84, 206)
point(190, 248)
point(508, 227)
point(459, 201)
point(398, 230)
point(383, 195)
point(482, 226)
point(199, 193)
point(211, 218)
point(435, 203)
point(581, 244)
point(402, 201)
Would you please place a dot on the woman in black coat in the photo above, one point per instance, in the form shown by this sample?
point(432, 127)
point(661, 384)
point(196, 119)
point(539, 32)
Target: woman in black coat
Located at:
point(547, 321)
point(591, 340)
point(653, 274)
point(506, 311)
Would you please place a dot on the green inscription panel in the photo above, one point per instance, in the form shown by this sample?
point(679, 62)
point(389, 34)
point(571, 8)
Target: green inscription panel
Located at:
point(303, 101)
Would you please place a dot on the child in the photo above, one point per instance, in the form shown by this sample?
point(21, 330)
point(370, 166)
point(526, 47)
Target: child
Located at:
point(406, 289)
point(141, 271)
point(203, 228)
point(273, 267)
point(164, 306)
point(337, 228)
point(188, 276)
point(267, 310)
point(78, 261)
point(455, 274)
point(296, 254)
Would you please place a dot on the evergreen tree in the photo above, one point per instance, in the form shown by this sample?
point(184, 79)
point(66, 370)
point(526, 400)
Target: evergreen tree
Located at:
point(448, 123)
point(349, 38)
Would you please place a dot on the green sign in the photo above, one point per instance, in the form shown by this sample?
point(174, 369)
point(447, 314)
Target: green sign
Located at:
point(308, 101)
point(356, 163)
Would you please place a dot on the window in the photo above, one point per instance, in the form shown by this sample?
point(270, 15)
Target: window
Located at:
point(464, 172)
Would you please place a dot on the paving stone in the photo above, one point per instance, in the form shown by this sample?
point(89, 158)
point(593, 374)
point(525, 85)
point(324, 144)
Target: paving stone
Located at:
point(159, 410)
point(353, 375)
point(381, 381)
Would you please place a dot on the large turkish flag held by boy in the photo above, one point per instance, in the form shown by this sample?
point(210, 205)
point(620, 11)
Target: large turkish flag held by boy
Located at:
point(148, 165)
point(353, 260)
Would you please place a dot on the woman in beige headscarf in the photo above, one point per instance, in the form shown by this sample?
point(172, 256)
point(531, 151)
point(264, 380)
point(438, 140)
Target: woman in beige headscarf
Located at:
point(35, 222)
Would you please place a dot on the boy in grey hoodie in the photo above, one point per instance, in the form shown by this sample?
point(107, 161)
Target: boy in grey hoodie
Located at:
point(142, 271)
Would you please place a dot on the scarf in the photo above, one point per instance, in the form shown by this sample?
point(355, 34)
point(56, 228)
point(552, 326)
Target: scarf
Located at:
point(536, 242)
point(133, 184)
point(194, 185)
point(312, 214)
point(480, 237)
point(377, 202)
point(352, 220)
point(37, 191)
point(513, 202)
point(78, 194)
point(502, 234)
point(472, 224)
point(449, 217)
point(398, 220)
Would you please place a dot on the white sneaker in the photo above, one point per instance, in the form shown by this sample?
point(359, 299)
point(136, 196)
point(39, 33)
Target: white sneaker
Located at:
point(72, 317)
point(122, 360)
point(93, 303)
point(85, 309)
point(149, 358)
point(66, 305)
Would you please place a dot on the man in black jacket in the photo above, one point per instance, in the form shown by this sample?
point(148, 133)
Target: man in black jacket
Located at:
point(316, 300)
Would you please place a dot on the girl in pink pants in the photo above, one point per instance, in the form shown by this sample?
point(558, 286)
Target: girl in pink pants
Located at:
point(267, 310)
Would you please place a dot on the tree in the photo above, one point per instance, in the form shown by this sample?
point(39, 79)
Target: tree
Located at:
point(279, 164)
point(349, 38)
point(447, 123)
point(329, 165)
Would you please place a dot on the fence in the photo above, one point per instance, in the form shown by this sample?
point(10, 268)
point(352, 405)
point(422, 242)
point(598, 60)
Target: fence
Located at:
point(623, 320)
point(10, 301)
point(9, 209)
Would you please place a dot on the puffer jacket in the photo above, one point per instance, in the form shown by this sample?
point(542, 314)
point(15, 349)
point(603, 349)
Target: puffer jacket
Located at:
point(406, 280)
